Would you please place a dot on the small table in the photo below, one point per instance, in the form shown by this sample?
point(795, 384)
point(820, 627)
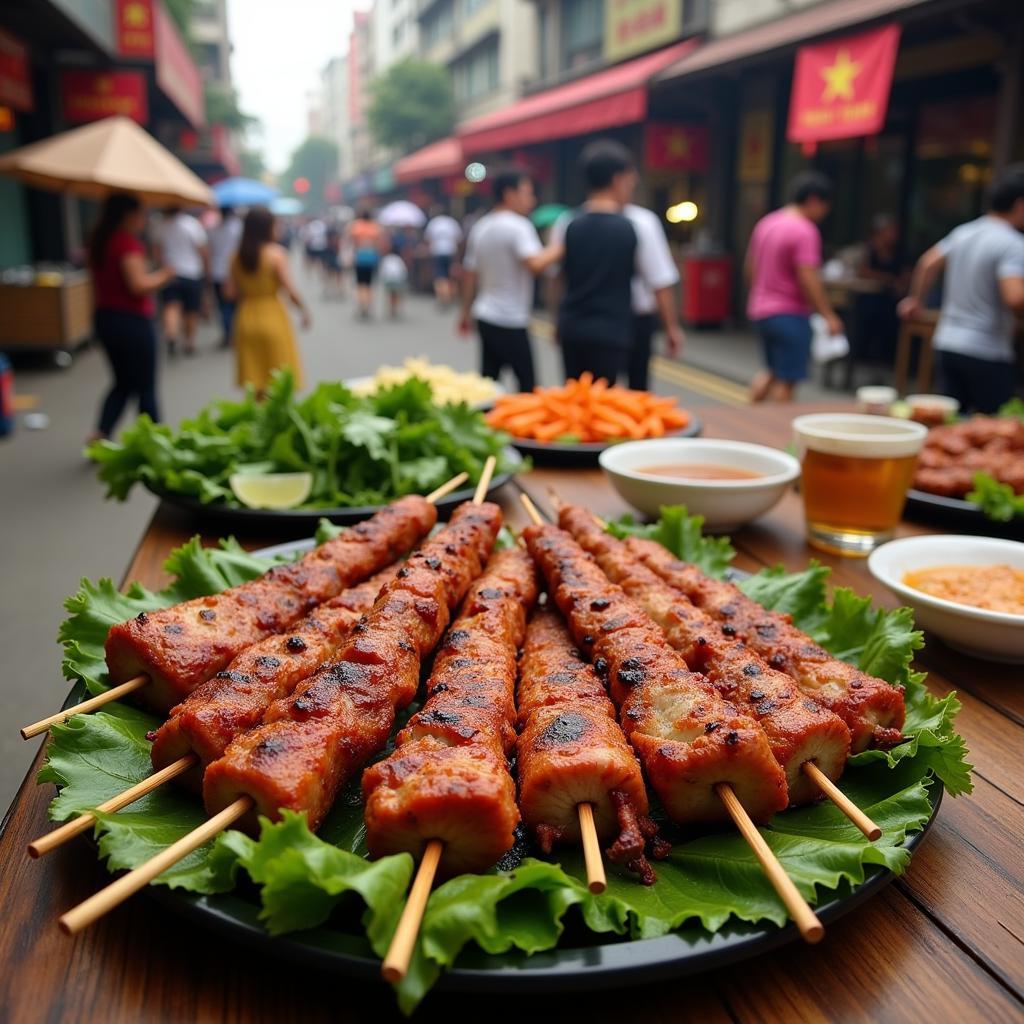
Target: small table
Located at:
point(944, 942)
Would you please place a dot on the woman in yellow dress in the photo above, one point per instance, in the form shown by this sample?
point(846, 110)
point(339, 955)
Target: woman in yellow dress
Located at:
point(264, 338)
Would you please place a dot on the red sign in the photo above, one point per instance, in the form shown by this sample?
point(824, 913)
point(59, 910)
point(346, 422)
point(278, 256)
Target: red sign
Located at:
point(15, 74)
point(92, 95)
point(176, 73)
point(136, 33)
point(675, 147)
point(841, 88)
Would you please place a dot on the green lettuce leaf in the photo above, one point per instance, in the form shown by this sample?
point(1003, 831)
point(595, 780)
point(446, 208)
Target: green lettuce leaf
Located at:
point(681, 534)
point(998, 501)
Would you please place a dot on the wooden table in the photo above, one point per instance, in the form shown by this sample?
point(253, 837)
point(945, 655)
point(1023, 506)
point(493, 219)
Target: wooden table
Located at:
point(943, 943)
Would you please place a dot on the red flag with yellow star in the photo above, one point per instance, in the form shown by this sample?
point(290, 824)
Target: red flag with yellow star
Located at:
point(675, 147)
point(841, 88)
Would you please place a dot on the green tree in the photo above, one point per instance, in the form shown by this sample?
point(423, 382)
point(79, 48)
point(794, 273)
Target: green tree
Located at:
point(251, 162)
point(316, 159)
point(222, 108)
point(411, 104)
point(181, 13)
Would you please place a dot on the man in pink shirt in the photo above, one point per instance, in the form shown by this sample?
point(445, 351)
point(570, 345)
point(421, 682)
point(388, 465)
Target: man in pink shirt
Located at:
point(782, 266)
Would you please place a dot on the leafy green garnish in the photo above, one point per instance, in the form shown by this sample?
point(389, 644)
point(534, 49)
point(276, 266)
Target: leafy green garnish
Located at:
point(1014, 407)
point(681, 534)
point(325, 880)
point(997, 500)
point(361, 451)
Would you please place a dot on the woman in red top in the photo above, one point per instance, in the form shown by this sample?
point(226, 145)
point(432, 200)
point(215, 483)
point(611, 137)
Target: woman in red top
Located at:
point(123, 290)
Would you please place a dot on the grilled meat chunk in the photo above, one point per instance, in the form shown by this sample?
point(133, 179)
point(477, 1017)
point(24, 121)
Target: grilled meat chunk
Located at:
point(184, 645)
point(688, 738)
point(873, 710)
point(448, 777)
point(312, 741)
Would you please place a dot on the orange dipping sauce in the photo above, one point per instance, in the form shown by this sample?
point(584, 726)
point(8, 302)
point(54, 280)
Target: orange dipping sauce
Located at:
point(997, 588)
point(699, 471)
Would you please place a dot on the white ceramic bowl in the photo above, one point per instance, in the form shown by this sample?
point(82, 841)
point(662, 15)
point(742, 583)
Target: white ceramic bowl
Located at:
point(724, 504)
point(994, 636)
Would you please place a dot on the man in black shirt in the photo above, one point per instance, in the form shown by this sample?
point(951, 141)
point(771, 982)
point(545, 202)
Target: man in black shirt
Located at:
point(595, 319)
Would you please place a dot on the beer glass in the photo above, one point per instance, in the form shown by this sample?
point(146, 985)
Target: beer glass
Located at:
point(856, 472)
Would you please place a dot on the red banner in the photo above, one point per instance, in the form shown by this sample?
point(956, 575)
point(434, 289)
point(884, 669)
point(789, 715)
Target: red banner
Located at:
point(675, 147)
point(15, 74)
point(841, 88)
point(92, 95)
point(136, 34)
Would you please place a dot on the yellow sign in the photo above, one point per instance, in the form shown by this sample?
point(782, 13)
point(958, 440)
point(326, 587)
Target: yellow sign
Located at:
point(635, 26)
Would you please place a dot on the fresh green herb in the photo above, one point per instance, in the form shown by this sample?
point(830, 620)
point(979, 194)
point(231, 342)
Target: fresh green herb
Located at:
point(304, 879)
point(998, 501)
point(361, 451)
point(1014, 407)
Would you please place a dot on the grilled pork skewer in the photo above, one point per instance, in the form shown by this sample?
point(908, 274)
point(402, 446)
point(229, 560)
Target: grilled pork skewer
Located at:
point(448, 777)
point(872, 709)
point(798, 729)
point(162, 656)
point(571, 751)
point(314, 740)
point(703, 758)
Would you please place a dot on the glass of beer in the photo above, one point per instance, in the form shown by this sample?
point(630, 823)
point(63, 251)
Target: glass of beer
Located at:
point(856, 472)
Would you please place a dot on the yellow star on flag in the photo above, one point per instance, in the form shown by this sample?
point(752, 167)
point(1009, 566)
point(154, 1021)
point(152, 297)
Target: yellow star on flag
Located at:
point(678, 145)
point(839, 77)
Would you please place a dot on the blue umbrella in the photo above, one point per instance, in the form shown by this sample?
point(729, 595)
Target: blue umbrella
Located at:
point(243, 192)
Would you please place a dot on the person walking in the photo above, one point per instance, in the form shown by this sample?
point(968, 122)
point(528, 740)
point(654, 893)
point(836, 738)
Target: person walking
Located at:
point(367, 238)
point(783, 273)
point(224, 240)
point(503, 253)
point(443, 236)
point(983, 292)
point(182, 246)
point(123, 290)
point(604, 251)
point(264, 338)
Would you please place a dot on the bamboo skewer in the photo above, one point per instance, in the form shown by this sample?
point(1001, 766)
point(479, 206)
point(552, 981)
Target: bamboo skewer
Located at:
point(811, 929)
point(117, 892)
point(59, 836)
point(403, 942)
point(810, 769)
point(806, 920)
point(116, 692)
point(597, 881)
point(841, 800)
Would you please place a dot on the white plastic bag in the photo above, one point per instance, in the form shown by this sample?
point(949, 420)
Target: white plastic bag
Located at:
point(826, 347)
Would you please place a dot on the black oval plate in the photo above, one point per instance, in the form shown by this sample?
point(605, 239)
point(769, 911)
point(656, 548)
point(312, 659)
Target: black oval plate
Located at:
point(309, 517)
point(577, 455)
point(958, 514)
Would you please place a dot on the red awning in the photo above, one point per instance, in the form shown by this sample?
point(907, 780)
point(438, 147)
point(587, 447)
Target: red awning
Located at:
point(615, 96)
point(437, 160)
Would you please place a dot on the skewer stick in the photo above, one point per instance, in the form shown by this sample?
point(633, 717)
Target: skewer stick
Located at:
point(596, 880)
point(446, 488)
point(811, 929)
point(403, 942)
point(842, 801)
point(396, 963)
point(117, 892)
point(59, 836)
point(116, 692)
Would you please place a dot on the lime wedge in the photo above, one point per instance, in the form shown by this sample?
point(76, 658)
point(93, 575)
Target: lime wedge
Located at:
point(271, 490)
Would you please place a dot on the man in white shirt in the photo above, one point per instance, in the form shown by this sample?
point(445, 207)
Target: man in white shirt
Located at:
point(224, 241)
point(443, 236)
point(503, 253)
point(181, 245)
point(983, 293)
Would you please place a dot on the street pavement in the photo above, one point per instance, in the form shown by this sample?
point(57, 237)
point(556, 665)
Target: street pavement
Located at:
point(57, 527)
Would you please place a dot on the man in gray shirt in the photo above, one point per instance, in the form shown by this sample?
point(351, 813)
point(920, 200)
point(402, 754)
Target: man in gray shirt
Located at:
point(983, 293)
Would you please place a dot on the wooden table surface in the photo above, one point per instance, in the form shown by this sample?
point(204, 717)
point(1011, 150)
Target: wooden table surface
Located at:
point(943, 943)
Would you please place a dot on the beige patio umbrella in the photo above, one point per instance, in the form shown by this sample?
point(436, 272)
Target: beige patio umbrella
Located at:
point(112, 155)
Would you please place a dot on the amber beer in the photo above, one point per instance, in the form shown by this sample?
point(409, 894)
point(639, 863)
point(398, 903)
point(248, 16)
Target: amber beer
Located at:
point(856, 473)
